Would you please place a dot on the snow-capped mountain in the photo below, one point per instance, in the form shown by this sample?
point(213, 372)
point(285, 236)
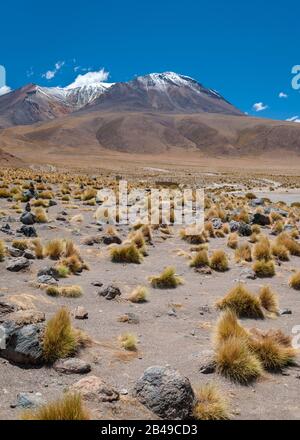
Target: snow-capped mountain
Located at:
point(80, 96)
point(33, 103)
point(75, 97)
point(166, 92)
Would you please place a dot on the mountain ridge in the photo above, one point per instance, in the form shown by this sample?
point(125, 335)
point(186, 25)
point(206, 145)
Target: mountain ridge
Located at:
point(159, 92)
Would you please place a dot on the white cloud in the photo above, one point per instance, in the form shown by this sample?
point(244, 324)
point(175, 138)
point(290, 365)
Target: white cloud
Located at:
point(294, 119)
point(282, 95)
point(259, 106)
point(4, 90)
point(30, 72)
point(51, 73)
point(89, 78)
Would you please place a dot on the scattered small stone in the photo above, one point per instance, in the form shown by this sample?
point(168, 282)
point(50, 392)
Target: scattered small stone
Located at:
point(110, 239)
point(204, 309)
point(130, 318)
point(47, 279)
point(95, 389)
point(248, 273)
point(29, 255)
point(208, 364)
point(123, 392)
point(205, 270)
point(18, 264)
point(81, 313)
point(14, 252)
point(245, 230)
point(29, 400)
point(97, 284)
point(51, 271)
point(110, 292)
point(28, 231)
point(60, 218)
point(285, 312)
point(217, 223)
point(72, 366)
point(27, 218)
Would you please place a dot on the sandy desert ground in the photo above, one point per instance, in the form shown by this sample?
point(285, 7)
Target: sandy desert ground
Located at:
point(173, 326)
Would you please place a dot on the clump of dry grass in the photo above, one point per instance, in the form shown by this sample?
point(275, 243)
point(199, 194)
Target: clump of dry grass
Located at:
point(74, 263)
point(277, 228)
point(208, 227)
point(39, 202)
point(62, 270)
point(193, 236)
point(128, 341)
point(295, 281)
point(262, 250)
point(166, 280)
point(147, 233)
point(59, 339)
point(69, 407)
point(228, 326)
point(268, 299)
point(226, 228)
point(139, 294)
point(200, 259)
point(126, 253)
point(219, 261)
point(139, 240)
point(242, 302)
point(20, 244)
point(4, 193)
point(253, 238)
point(46, 195)
point(2, 250)
point(70, 249)
point(264, 268)
point(236, 361)
point(54, 249)
point(273, 350)
point(243, 253)
point(255, 229)
point(66, 291)
point(233, 240)
point(88, 194)
point(280, 251)
point(210, 404)
point(38, 248)
point(291, 244)
point(40, 215)
point(243, 355)
point(78, 218)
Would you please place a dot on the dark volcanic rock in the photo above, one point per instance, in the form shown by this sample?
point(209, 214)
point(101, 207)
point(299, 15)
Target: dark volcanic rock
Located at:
point(18, 264)
point(28, 231)
point(110, 239)
point(21, 345)
point(260, 219)
point(245, 230)
point(110, 292)
point(166, 392)
point(27, 218)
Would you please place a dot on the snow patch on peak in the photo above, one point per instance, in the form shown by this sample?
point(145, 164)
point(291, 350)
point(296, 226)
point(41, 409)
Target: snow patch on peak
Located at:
point(162, 81)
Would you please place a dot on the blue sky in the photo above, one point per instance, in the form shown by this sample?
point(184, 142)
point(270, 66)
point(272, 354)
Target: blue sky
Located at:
point(245, 50)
